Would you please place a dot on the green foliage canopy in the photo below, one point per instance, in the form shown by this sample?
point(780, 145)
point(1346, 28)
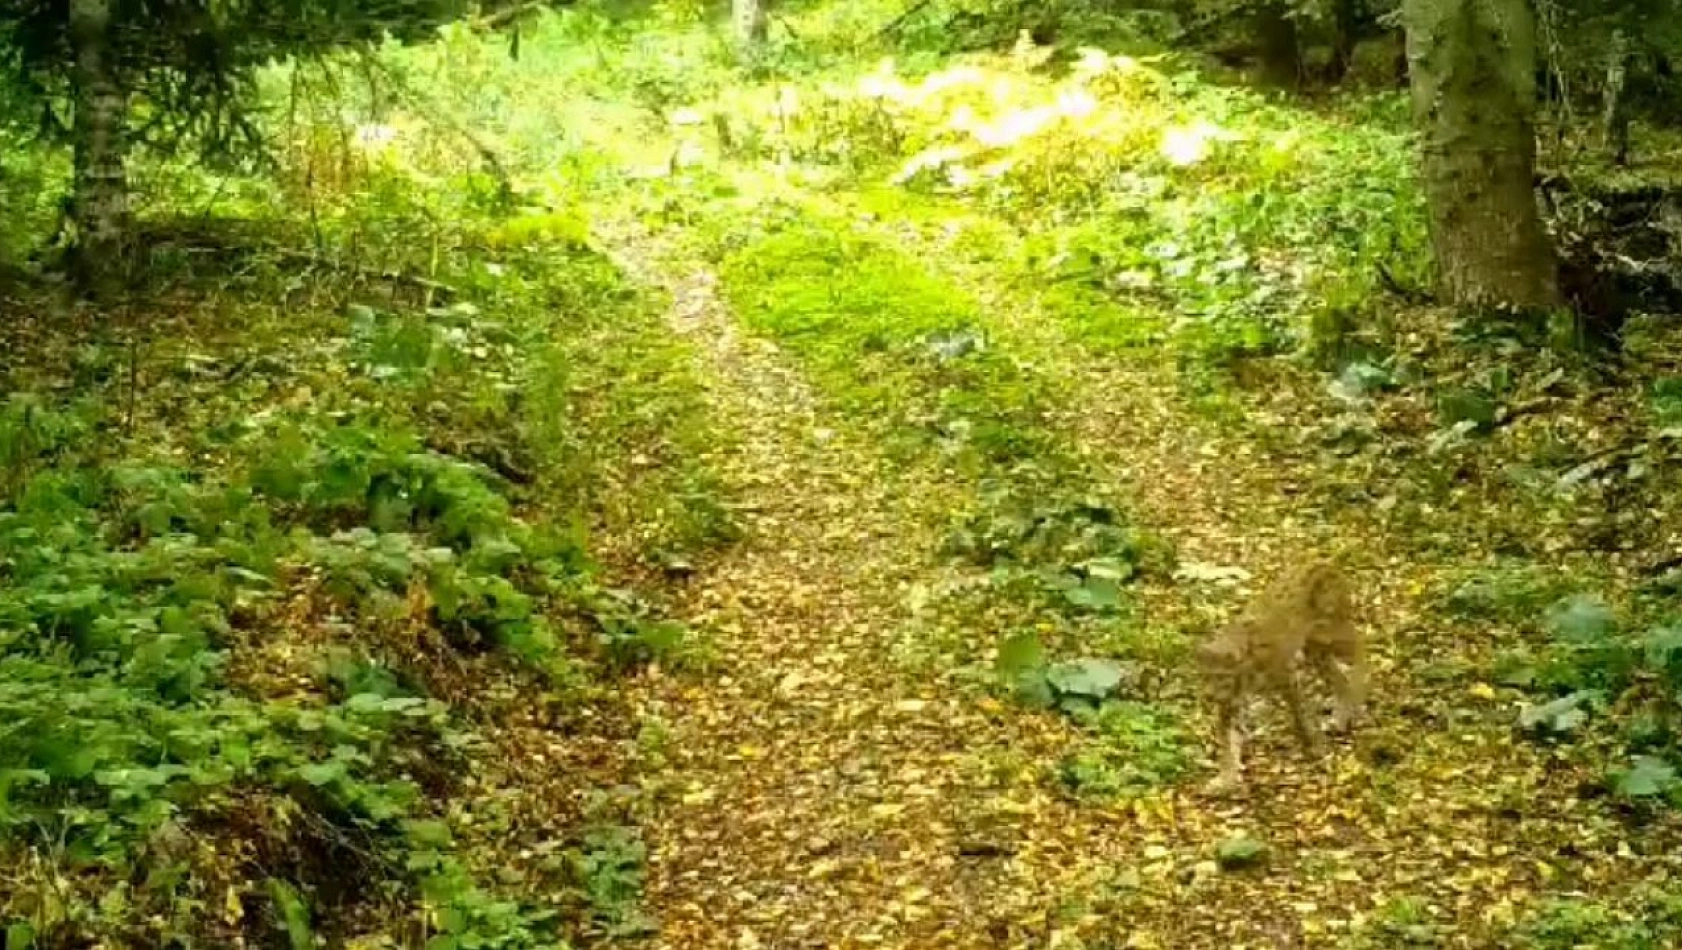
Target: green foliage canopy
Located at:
point(188, 66)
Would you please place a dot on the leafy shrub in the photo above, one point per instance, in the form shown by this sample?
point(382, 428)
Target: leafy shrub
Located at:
point(1136, 747)
point(1509, 592)
point(609, 869)
point(1078, 548)
point(30, 432)
point(1572, 923)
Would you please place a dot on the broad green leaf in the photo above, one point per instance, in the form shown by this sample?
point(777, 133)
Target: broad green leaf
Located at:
point(1031, 689)
point(1109, 568)
point(428, 833)
point(1646, 777)
point(1091, 678)
point(1095, 593)
point(1581, 618)
point(322, 773)
point(1558, 716)
point(1020, 653)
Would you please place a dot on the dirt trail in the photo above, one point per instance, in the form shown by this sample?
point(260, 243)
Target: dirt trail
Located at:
point(813, 801)
point(817, 794)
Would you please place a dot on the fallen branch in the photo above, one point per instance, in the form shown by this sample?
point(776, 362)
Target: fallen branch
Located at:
point(503, 17)
point(366, 273)
point(899, 21)
point(488, 155)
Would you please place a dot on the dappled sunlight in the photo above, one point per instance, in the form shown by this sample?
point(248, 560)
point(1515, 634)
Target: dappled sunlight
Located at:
point(579, 475)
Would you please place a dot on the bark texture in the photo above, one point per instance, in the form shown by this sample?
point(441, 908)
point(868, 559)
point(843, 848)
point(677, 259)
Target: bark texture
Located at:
point(1472, 67)
point(1614, 116)
point(99, 199)
point(749, 23)
point(1278, 45)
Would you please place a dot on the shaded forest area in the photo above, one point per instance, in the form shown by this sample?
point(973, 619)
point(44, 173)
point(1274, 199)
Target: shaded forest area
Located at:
point(660, 474)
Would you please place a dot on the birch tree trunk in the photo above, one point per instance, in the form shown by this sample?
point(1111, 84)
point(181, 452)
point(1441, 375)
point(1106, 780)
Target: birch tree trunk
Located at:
point(99, 197)
point(1472, 67)
point(749, 24)
point(1614, 116)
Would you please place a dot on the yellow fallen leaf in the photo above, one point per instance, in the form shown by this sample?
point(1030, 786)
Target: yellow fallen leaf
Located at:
point(823, 868)
point(1482, 691)
point(698, 796)
point(886, 809)
point(911, 705)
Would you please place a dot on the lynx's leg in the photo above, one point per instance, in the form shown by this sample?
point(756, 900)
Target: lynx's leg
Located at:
point(1307, 733)
point(1230, 733)
point(1337, 680)
point(1345, 664)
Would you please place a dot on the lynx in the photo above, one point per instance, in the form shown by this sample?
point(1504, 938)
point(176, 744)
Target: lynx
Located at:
point(1305, 618)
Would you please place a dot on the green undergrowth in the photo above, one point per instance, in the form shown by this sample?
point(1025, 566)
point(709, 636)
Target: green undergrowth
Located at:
point(896, 348)
point(260, 563)
point(915, 360)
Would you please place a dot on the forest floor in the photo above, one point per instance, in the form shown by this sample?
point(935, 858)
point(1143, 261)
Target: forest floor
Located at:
point(835, 785)
point(944, 487)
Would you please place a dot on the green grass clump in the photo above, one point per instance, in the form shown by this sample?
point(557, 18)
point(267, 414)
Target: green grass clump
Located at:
point(888, 340)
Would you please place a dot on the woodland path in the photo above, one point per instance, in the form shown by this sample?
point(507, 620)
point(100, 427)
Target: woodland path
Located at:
point(817, 794)
point(815, 804)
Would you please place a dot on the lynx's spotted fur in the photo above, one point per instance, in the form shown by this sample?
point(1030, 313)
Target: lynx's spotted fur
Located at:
point(1305, 619)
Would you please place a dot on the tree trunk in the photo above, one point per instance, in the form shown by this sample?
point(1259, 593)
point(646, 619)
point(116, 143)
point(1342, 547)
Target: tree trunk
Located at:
point(1472, 65)
point(1276, 38)
point(99, 197)
point(1614, 118)
point(749, 24)
point(1346, 26)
